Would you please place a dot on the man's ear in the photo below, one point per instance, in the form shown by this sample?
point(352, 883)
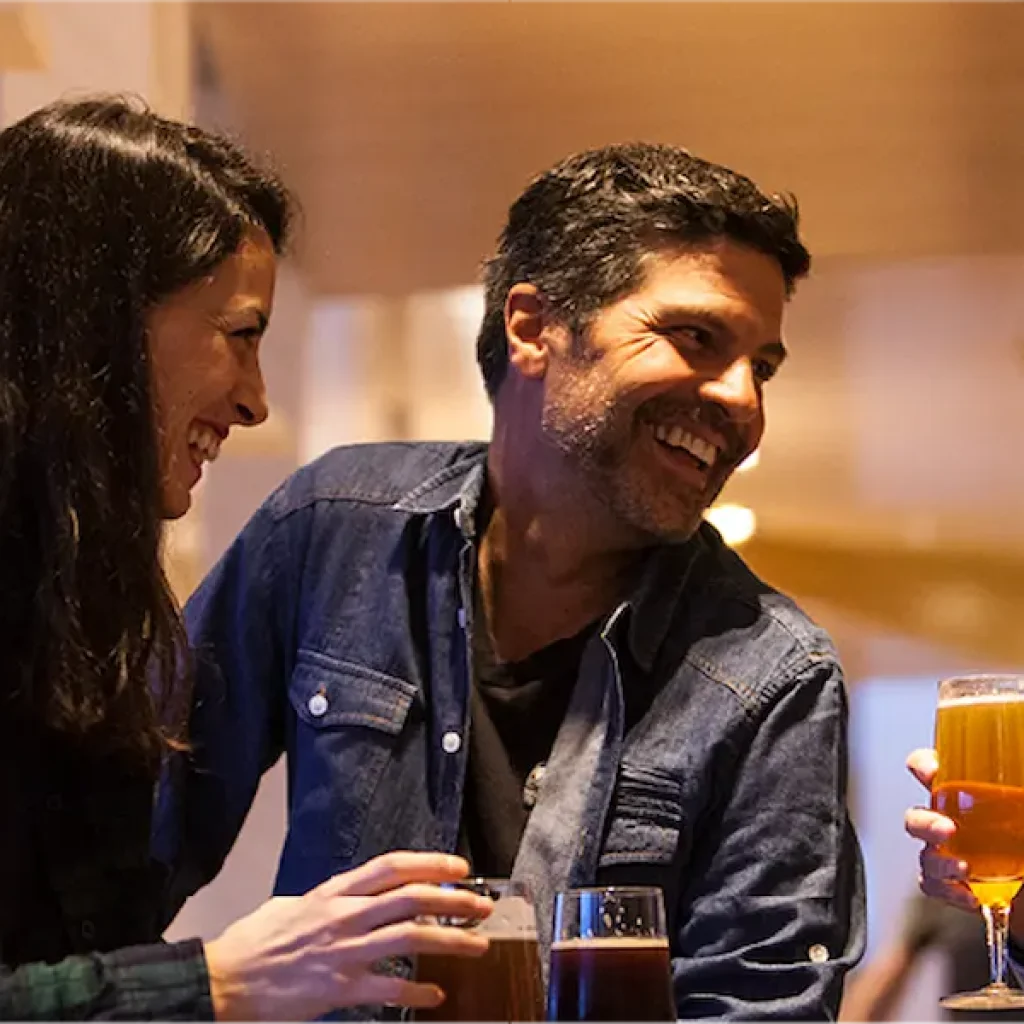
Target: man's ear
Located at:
point(527, 330)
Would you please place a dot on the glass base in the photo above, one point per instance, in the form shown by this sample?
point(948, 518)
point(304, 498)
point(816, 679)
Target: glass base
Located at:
point(991, 997)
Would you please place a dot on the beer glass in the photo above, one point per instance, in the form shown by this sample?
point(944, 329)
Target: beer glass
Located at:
point(505, 983)
point(979, 738)
point(609, 956)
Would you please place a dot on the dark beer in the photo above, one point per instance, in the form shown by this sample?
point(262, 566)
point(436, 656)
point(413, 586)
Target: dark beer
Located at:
point(610, 979)
point(503, 984)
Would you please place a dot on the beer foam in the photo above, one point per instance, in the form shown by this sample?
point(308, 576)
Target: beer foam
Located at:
point(624, 942)
point(982, 698)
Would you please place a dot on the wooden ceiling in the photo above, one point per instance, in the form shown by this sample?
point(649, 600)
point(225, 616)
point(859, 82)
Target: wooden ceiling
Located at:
point(406, 129)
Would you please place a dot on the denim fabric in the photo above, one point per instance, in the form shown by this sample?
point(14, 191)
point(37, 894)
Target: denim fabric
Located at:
point(335, 631)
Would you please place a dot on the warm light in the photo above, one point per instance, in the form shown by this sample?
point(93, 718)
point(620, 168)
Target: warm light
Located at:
point(736, 523)
point(750, 462)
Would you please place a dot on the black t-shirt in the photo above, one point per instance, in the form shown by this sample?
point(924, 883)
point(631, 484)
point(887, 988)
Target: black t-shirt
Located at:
point(516, 710)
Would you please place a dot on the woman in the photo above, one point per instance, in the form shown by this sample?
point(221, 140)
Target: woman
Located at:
point(137, 262)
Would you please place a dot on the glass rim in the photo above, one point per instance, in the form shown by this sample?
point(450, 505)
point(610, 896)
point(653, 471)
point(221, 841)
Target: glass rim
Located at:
point(983, 677)
point(955, 689)
point(618, 890)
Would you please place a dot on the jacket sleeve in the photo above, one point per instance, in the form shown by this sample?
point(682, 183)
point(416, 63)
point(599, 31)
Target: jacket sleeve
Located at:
point(775, 915)
point(157, 982)
point(234, 622)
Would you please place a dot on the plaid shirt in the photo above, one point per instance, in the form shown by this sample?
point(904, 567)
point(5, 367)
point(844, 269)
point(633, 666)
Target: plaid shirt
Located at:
point(80, 897)
point(154, 982)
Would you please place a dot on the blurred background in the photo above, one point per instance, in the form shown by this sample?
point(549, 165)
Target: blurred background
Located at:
point(888, 494)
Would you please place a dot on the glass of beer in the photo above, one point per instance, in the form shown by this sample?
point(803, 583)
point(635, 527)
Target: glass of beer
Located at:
point(505, 983)
point(609, 956)
point(979, 739)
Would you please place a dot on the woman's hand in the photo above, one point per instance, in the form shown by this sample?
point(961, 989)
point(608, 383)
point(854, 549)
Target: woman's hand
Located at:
point(297, 957)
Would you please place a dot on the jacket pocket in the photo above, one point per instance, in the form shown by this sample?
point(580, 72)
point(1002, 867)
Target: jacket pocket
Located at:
point(646, 823)
point(348, 719)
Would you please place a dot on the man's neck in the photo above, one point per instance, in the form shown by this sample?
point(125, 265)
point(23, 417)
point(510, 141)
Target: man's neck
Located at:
point(545, 573)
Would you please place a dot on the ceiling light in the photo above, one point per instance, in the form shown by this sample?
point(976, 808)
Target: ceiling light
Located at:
point(736, 523)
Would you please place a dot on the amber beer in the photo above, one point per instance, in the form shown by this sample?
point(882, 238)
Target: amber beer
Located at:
point(610, 979)
point(980, 785)
point(503, 984)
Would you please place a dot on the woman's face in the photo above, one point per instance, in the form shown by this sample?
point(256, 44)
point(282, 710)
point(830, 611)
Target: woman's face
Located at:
point(204, 345)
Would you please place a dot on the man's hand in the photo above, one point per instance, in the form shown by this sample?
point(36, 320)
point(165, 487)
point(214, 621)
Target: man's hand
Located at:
point(942, 876)
point(297, 957)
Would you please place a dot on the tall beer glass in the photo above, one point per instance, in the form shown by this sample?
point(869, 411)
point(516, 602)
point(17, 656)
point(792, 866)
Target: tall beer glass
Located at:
point(505, 983)
point(609, 956)
point(979, 738)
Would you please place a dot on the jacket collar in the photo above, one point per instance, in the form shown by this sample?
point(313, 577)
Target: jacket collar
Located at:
point(661, 588)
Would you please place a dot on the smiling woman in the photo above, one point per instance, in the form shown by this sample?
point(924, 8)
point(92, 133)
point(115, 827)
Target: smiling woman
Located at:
point(137, 262)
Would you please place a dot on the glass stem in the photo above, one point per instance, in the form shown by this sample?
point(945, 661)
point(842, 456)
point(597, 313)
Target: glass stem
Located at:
point(997, 930)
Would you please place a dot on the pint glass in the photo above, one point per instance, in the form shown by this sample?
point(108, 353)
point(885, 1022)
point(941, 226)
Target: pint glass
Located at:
point(979, 739)
point(505, 983)
point(609, 956)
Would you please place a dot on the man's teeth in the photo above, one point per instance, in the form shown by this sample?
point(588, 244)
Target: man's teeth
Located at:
point(680, 437)
point(205, 441)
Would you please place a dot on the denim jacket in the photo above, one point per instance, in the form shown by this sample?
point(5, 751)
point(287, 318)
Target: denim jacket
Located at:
point(335, 631)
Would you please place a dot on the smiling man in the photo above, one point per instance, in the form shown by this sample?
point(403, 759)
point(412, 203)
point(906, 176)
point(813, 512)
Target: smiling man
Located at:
point(534, 651)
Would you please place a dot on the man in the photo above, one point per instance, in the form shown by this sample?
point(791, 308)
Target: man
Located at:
point(533, 651)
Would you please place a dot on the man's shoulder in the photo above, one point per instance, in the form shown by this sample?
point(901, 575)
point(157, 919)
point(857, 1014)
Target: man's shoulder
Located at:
point(757, 631)
point(383, 474)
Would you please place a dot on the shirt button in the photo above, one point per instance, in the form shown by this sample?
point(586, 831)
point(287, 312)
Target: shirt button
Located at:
point(818, 953)
point(88, 930)
point(462, 618)
point(317, 705)
point(451, 742)
point(457, 516)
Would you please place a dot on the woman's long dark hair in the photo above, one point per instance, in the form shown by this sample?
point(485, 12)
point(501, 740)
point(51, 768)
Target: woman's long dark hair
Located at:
point(105, 210)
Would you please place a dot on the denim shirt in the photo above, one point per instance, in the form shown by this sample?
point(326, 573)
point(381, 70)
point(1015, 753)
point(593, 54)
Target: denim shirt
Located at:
point(336, 631)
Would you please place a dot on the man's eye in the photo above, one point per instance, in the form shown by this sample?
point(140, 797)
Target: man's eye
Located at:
point(764, 370)
point(697, 336)
point(250, 334)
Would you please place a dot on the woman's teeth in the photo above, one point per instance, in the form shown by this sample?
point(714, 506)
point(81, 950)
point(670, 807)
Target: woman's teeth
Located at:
point(205, 441)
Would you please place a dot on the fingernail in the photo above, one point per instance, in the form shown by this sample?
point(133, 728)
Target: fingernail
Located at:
point(457, 864)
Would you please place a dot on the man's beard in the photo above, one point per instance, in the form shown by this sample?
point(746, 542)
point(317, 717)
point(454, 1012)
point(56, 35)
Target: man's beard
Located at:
point(600, 442)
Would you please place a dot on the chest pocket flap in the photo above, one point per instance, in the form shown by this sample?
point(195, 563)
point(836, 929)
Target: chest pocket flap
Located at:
point(327, 694)
point(645, 820)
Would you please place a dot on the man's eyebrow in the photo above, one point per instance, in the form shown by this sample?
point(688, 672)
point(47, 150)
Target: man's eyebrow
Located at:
point(723, 325)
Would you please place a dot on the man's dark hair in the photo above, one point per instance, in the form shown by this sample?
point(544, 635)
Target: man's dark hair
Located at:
point(106, 209)
point(580, 232)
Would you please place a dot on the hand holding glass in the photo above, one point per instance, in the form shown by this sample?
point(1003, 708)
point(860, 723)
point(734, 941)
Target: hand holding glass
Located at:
point(979, 739)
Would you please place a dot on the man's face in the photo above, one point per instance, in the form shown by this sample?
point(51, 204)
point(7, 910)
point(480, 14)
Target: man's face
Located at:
point(662, 397)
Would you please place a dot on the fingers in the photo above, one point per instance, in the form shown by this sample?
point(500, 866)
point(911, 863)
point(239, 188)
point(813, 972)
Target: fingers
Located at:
point(379, 988)
point(392, 870)
point(410, 938)
point(412, 901)
point(944, 878)
point(929, 826)
point(923, 764)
